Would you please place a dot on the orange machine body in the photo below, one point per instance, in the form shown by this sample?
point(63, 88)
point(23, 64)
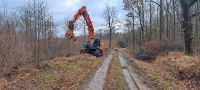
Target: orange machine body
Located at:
point(82, 12)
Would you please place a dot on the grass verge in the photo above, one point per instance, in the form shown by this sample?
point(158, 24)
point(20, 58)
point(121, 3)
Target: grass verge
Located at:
point(171, 71)
point(114, 79)
point(63, 74)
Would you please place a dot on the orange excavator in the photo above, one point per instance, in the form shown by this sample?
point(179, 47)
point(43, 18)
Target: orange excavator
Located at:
point(93, 45)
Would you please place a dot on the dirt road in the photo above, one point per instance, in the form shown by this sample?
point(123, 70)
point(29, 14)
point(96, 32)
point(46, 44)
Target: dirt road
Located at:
point(132, 80)
point(97, 82)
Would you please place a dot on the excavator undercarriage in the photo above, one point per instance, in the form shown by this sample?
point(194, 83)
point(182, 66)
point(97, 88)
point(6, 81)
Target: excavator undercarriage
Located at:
point(93, 47)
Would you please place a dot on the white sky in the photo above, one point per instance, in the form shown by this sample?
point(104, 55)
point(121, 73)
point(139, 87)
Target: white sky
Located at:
point(61, 9)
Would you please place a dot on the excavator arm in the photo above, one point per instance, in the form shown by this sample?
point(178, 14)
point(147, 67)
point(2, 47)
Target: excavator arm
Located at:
point(81, 12)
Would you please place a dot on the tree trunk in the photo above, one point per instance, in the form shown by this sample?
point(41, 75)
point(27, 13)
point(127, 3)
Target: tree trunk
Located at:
point(150, 22)
point(167, 19)
point(174, 13)
point(161, 19)
point(110, 38)
point(187, 26)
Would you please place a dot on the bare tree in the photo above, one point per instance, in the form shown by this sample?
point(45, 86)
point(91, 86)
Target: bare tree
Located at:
point(39, 29)
point(187, 25)
point(156, 27)
point(111, 20)
point(161, 20)
point(174, 20)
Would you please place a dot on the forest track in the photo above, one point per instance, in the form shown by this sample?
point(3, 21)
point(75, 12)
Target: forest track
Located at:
point(98, 80)
point(132, 80)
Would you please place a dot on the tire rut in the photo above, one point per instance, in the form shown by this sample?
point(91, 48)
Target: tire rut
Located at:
point(98, 80)
point(132, 80)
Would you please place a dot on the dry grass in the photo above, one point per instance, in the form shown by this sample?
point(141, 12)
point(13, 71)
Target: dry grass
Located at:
point(184, 68)
point(114, 79)
point(172, 71)
point(64, 74)
point(163, 78)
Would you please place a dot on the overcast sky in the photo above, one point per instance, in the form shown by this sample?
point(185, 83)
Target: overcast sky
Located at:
point(61, 9)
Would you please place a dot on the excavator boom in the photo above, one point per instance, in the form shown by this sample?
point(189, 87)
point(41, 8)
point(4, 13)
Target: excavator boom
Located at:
point(81, 12)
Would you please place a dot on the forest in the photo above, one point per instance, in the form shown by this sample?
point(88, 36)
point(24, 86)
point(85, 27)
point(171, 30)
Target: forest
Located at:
point(149, 28)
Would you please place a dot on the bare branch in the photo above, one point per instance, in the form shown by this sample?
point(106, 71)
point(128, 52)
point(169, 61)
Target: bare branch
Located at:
point(155, 2)
point(192, 2)
point(196, 14)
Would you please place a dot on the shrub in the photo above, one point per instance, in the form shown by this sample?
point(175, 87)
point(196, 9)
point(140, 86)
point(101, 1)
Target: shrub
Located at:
point(150, 50)
point(145, 55)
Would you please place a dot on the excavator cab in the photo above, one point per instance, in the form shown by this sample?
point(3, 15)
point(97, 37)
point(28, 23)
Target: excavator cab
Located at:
point(94, 43)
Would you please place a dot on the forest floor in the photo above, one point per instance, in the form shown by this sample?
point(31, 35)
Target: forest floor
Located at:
point(170, 71)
